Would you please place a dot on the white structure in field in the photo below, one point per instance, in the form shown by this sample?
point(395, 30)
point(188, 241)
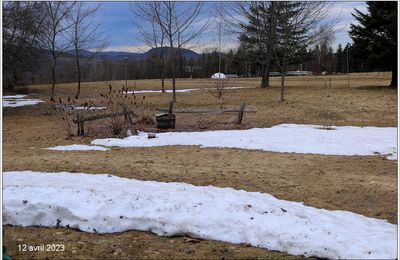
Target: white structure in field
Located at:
point(219, 75)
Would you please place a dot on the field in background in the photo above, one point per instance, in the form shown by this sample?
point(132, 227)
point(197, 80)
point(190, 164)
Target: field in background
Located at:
point(365, 185)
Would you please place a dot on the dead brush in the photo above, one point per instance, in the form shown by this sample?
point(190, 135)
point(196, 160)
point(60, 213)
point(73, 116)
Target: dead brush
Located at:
point(121, 100)
point(219, 90)
point(117, 101)
point(122, 113)
point(66, 111)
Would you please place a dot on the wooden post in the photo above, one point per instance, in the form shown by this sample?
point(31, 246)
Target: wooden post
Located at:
point(240, 114)
point(171, 106)
point(82, 128)
point(79, 122)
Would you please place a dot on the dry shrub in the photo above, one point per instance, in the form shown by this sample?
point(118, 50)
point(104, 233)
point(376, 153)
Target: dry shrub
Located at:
point(146, 120)
point(116, 101)
point(219, 90)
point(67, 112)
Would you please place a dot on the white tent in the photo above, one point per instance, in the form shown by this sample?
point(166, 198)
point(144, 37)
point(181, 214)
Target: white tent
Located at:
point(218, 75)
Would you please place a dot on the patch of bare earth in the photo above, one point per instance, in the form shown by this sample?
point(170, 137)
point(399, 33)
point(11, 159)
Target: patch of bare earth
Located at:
point(365, 185)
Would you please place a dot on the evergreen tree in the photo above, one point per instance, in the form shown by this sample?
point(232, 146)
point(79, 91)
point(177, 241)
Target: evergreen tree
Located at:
point(375, 36)
point(340, 60)
point(259, 34)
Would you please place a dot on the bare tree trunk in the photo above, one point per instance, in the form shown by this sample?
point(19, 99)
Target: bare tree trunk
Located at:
point(162, 63)
point(163, 76)
point(265, 73)
point(78, 68)
point(282, 98)
point(173, 72)
point(53, 80)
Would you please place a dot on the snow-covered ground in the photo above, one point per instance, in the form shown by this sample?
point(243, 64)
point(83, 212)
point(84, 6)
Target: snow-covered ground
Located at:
point(178, 90)
point(105, 204)
point(159, 91)
point(19, 101)
point(78, 147)
point(14, 96)
point(90, 108)
point(289, 138)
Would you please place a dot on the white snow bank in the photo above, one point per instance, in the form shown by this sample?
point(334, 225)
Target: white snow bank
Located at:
point(90, 108)
point(77, 147)
point(177, 91)
point(14, 96)
point(105, 204)
point(19, 101)
point(159, 91)
point(218, 75)
point(289, 138)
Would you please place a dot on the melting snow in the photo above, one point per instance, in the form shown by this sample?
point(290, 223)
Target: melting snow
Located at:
point(77, 147)
point(19, 101)
point(89, 108)
point(14, 97)
point(105, 204)
point(289, 138)
point(159, 91)
point(178, 90)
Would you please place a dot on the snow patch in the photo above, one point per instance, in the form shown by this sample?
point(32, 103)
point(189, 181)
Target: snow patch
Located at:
point(19, 101)
point(286, 138)
point(90, 108)
point(14, 97)
point(178, 90)
point(106, 204)
point(159, 91)
point(77, 147)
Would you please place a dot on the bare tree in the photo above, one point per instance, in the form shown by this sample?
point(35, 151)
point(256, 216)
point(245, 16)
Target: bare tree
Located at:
point(323, 44)
point(55, 38)
point(152, 32)
point(220, 85)
point(177, 21)
point(84, 34)
point(296, 22)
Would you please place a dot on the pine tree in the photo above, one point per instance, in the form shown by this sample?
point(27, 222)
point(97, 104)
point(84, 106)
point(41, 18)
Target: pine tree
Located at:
point(375, 36)
point(339, 59)
point(259, 35)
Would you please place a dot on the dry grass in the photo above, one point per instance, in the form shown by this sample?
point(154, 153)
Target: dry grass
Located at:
point(365, 185)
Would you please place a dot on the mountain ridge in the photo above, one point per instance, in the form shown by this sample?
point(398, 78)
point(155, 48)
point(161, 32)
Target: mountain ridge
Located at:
point(116, 55)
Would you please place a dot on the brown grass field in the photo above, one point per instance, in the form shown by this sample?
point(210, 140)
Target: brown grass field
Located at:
point(365, 185)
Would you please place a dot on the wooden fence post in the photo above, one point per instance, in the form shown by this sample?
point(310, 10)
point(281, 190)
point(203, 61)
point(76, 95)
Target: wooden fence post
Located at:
point(240, 114)
point(171, 107)
point(82, 128)
point(80, 124)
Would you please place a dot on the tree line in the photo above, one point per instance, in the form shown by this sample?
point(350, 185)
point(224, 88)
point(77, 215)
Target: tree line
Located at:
point(44, 42)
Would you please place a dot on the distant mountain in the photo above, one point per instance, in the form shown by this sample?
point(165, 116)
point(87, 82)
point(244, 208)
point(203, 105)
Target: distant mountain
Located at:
point(185, 52)
point(119, 55)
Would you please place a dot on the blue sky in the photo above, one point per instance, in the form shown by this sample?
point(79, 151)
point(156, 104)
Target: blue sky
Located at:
point(122, 35)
